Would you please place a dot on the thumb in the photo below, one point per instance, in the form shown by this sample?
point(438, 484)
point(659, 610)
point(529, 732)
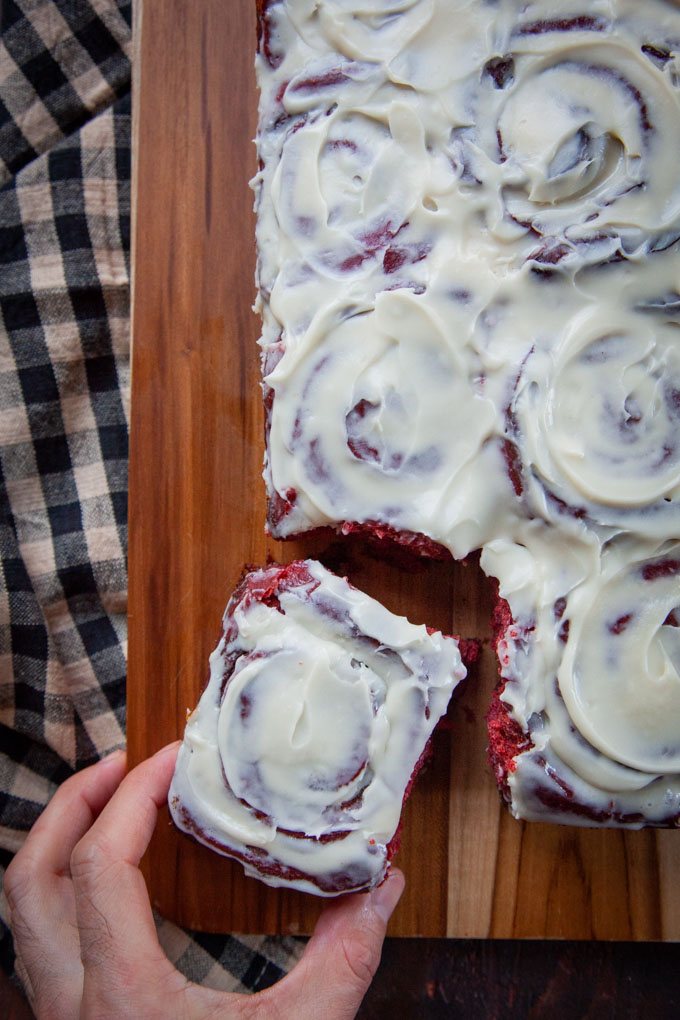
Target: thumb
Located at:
point(342, 956)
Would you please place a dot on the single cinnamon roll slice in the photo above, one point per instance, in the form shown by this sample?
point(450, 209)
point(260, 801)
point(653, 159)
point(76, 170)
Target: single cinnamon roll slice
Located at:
point(319, 706)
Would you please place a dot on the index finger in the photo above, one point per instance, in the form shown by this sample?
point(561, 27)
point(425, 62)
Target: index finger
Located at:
point(117, 930)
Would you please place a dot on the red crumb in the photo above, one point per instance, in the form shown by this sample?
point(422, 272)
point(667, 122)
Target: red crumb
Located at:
point(507, 739)
point(470, 650)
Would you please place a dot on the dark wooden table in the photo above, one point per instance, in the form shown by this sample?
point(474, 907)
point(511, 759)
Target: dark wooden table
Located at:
point(515, 980)
point(505, 980)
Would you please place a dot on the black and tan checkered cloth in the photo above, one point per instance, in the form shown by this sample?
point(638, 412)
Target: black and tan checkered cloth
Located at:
point(64, 400)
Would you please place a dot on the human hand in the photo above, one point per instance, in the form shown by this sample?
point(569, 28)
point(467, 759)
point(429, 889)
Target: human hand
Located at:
point(84, 933)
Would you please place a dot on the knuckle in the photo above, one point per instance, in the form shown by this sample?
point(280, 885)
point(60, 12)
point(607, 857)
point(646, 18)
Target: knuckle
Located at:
point(90, 858)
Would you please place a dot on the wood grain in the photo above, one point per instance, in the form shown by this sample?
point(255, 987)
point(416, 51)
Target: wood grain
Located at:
point(197, 516)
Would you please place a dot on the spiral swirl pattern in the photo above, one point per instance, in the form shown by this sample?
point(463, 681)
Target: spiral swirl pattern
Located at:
point(578, 147)
point(598, 420)
point(620, 675)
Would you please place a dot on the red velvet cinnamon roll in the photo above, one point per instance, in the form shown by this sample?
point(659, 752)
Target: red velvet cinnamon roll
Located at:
point(375, 419)
point(319, 706)
point(595, 419)
point(573, 132)
point(584, 727)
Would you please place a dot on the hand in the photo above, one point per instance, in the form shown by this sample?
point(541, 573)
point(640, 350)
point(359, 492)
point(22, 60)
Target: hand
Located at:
point(84, 933)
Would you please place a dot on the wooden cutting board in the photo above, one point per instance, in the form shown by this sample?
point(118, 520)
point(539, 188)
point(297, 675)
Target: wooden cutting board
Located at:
point(197, 516)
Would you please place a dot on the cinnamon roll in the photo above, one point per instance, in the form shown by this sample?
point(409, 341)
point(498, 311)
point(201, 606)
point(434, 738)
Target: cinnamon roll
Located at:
point(596, 419)
point(375, 418)
point(316, 716)
point(585, 724)
point(573, 130)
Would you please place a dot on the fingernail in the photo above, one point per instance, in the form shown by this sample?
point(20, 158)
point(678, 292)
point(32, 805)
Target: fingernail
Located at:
point(385, 898)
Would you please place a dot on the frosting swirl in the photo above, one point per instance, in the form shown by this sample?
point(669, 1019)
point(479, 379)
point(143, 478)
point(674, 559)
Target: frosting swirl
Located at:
point(620, 675)
point(294, 730)
point(597, 417)
point(573, 139)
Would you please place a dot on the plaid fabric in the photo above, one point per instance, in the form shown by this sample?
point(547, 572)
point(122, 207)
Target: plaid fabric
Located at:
point(64, 398)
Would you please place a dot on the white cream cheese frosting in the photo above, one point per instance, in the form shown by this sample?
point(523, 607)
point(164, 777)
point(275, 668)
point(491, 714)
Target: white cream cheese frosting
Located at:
point(469, 277)
point(319, 705)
